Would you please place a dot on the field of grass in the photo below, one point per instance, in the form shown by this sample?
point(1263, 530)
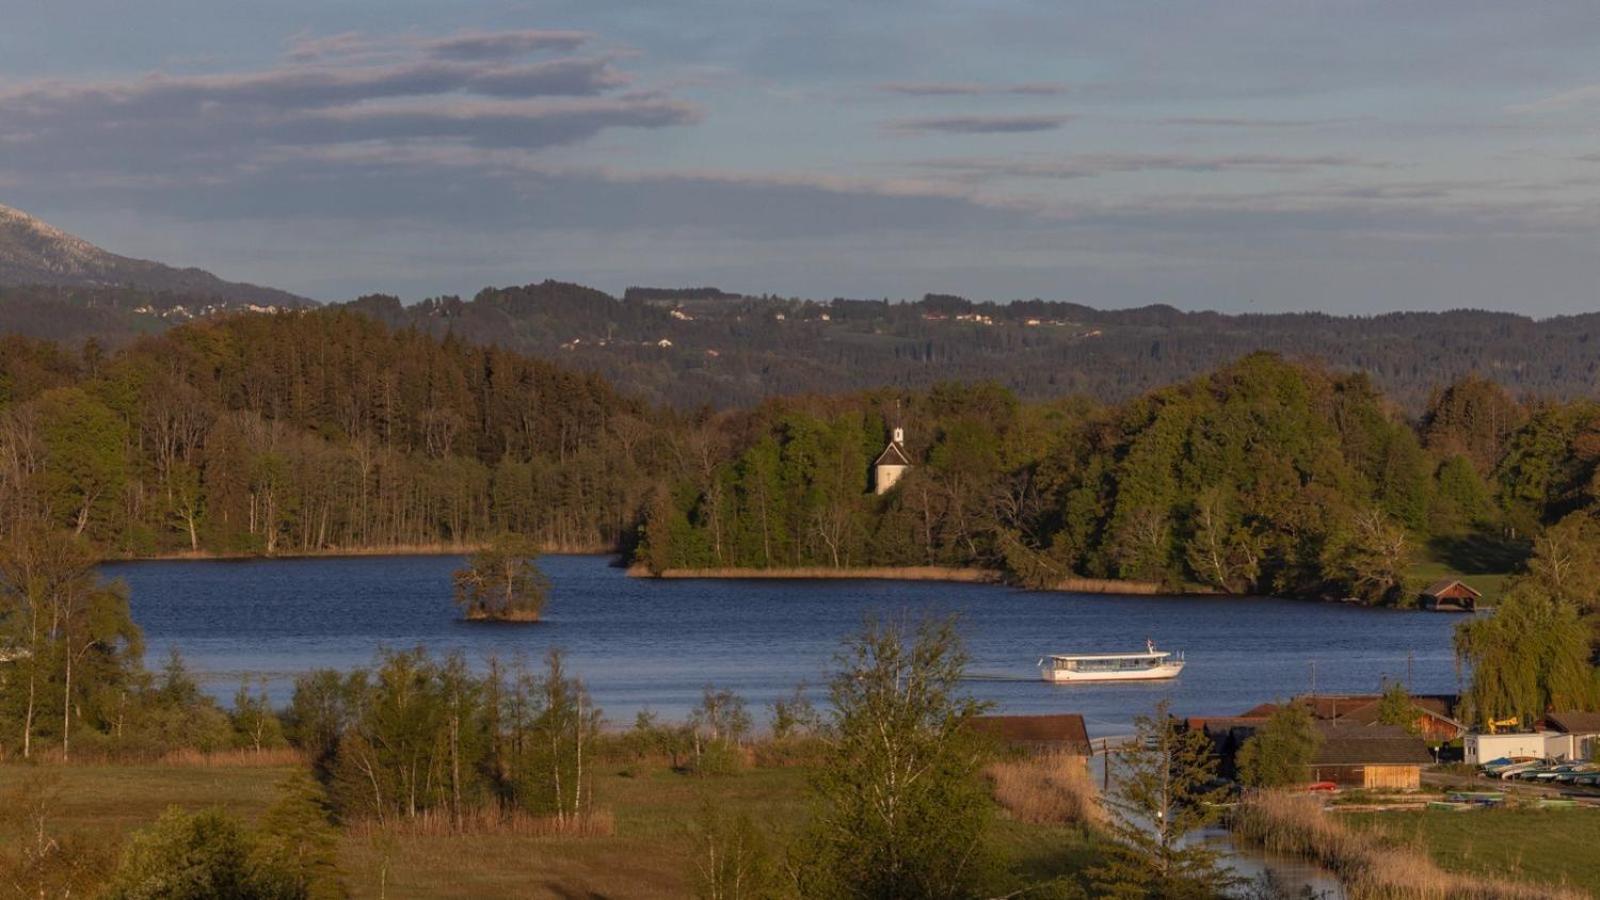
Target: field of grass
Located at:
point(1552, 846)
point(654, 810)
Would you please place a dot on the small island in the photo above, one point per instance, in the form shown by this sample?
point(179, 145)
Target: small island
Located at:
point(502, 583)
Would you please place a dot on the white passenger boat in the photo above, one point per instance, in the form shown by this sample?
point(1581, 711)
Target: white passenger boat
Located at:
point(1151, 665)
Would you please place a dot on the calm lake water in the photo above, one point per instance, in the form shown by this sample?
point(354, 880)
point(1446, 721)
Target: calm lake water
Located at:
point(656, 644)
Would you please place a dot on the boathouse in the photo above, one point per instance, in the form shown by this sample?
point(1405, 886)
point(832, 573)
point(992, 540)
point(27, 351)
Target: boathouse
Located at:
point(891, 464)
point(1062, 733)
point(1451, 595)
point(1383, 757)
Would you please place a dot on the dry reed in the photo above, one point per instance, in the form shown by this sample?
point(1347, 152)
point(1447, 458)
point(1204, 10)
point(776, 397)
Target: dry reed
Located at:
point(875, 573)
point(1370, 865)
point(489, 820)
point(1048, 789)
point(234, 759)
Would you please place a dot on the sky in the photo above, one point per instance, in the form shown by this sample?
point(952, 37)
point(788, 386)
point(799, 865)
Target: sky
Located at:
point(1240, 155)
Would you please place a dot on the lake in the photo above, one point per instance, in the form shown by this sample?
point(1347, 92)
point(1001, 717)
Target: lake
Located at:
point(640, 643)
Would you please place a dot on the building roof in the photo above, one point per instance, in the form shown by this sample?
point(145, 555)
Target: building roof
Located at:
point(1574, 722)
point(1368, 745)
point(1358, 708)
point(1066, 729)
point(892, 455)
point(1447, 586)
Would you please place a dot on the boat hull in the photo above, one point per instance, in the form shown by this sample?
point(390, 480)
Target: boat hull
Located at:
point(1162, 672)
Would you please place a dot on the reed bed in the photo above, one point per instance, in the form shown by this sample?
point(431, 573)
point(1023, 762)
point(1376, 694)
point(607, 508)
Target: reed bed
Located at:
point(876, 573)
point(1370, 865)
point(1049, 789)
point(234, 759)
point(489, 820)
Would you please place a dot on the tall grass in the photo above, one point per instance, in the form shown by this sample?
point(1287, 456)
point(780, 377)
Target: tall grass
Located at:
point(487, 820)
point(1370, 865)
point(1048, 789)
point(234, 759)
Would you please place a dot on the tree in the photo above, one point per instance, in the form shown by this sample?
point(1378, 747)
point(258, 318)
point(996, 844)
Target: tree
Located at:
point(1531, 656)
point(68, 633)
point(1395, 707)
point(297, 837)
point(1165, 791)
point(901, 807)
point(731, 859)
point(1279, 752)
point(1373, 564)
point(553, 743)
point(85, 466)
point(502, 582)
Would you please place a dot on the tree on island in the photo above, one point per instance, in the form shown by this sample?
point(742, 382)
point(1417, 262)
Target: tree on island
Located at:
point(502, 583)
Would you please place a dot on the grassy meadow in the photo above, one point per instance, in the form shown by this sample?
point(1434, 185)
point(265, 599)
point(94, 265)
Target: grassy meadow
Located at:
point(653, 812)
point(1551, 846)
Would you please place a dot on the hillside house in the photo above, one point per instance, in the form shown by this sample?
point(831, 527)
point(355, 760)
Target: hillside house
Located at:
point(1451, 595)
point(891, 464)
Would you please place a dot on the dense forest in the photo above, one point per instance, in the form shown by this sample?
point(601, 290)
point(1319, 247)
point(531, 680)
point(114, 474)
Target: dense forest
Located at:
point(323, 430)
point(299, 432)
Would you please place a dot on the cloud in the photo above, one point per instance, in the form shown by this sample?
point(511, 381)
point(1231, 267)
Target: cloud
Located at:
point(1573, 99)
point(973, 89)
point(1244, 122)
point(502, 44)
point(1096, 164)
point(464, 46)
point(992, 124)
point(210, 126)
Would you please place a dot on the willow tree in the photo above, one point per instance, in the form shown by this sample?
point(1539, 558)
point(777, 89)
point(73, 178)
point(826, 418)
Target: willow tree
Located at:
point(1530, 657)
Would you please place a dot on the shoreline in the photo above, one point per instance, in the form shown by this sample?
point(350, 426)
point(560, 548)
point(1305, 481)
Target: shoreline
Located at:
point(954, 574)
point(354, 552)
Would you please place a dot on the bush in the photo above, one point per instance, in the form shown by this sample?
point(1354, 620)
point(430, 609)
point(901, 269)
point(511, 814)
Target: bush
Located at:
point(205, 855)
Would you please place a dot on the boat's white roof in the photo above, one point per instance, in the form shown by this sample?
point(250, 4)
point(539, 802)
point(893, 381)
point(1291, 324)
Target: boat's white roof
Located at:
point(1141, 655)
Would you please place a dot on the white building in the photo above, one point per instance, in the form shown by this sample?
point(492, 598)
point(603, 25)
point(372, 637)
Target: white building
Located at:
point(892, 463)
point(1482, 748)
point(1577, 735)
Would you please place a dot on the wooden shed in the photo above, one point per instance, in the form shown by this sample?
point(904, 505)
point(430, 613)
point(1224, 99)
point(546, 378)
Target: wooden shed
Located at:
point(1369, 756)
point(1451, 595)
point(1062, 733)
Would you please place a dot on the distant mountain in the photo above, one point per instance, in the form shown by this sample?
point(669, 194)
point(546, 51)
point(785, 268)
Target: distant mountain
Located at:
point(35, 253)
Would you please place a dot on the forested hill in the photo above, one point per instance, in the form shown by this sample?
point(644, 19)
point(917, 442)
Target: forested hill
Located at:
point(705, 346)
point(688, 347)
point(324, 430)
point(317, 430)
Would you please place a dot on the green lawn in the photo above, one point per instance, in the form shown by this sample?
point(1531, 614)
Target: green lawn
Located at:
point(1556, 846)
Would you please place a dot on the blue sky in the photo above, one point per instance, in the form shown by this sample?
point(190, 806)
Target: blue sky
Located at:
point(1258, 155)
